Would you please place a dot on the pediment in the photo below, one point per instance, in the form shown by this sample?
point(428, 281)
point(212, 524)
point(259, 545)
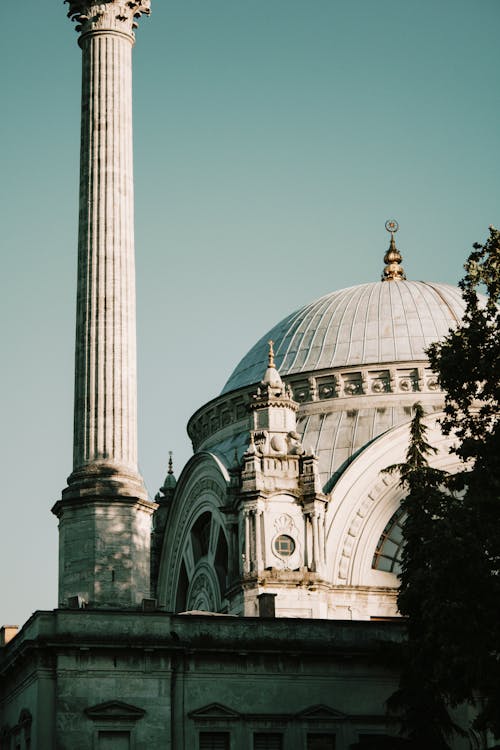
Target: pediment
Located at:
point(321, 712)
point(214, 711)
point(114, 711)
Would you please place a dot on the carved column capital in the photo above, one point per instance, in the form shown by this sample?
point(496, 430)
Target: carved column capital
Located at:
point(107, 15)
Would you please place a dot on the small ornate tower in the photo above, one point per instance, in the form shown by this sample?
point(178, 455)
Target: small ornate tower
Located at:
point(281, 510)
point(104, 514)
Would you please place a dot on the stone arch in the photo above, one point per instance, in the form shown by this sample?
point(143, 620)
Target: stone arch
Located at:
point(200, 494)
point(204, 592)
point(363, 501)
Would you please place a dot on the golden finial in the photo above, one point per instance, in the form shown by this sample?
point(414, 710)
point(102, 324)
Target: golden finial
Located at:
point(393, 271)
point(170, 463)
point(271, 353)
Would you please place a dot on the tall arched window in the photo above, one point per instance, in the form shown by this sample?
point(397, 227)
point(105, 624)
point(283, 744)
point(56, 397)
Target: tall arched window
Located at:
point(200, 536)
point(390, 545)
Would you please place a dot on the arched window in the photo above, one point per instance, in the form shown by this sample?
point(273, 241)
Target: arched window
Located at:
point(221, 562)
point(387, 556)
point(200, 536)
point(182, 589)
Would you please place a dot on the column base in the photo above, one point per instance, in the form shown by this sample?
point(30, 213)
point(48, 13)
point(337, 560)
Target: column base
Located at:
point(104, 479)
point(104, 537)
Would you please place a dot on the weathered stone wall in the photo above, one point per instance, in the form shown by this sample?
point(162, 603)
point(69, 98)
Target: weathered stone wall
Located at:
point(154, 680)
point(164, 678)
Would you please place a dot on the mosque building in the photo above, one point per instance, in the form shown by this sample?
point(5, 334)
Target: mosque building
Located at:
point(251, 604)
point(297, 506)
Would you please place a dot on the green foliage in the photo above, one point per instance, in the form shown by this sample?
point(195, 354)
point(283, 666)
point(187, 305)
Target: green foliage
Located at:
point(468, 366)
point(450, 580)
point(468, 361)
point(419, 701)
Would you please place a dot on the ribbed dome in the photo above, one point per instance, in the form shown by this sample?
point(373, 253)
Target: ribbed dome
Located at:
point(371, 323)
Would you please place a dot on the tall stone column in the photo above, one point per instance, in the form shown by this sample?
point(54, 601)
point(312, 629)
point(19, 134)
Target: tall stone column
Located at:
point(104, 514)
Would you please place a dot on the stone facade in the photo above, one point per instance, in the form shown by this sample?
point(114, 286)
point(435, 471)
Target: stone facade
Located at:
point(279, 542)
point(94, 679)
point(337, 564)
point(299, 506)
point(75, 680)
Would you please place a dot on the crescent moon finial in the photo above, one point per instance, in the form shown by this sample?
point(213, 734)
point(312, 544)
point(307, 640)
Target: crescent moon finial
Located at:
point(393, 270)
point(391, 225)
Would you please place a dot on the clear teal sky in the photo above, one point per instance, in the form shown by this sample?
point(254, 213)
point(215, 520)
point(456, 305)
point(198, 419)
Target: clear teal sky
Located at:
point(273, 138)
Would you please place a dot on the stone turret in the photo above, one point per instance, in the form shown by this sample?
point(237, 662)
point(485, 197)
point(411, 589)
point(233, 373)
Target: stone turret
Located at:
point(274, 450)
point(163, 499)
point(104, 513)
point(281, 505)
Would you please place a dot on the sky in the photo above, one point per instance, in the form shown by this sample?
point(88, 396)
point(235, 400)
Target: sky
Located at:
point(272, 140)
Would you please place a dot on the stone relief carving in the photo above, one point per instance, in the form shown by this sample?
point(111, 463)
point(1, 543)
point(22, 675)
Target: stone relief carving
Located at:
point(356, 523)
point(294, 446)
point(192, 494)
point(327, 391)
point(381, 381)
point(284, 524)
point(380, 385)
point(278, 444)
point(201, 594)
point(352, 388)
point(301, 392)
point(364, 508)
point(115, 15)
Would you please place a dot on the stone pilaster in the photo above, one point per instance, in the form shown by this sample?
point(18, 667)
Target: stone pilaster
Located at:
point(104, 512)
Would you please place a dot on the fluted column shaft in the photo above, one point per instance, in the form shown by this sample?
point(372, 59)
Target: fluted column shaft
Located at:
point(104, 513)
point(105, 415)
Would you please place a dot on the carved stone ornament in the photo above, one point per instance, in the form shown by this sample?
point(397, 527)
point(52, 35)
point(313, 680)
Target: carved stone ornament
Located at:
point(352, 388)
point(326, 391)
point(112, 15)
point(201, 595)
point(380, 386)
point(432, 384)
point(284, 524)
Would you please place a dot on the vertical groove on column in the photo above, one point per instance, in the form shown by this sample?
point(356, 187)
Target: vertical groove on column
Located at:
point(130, 437)
point(116, 448)
point(109, 365)
point(121, 445)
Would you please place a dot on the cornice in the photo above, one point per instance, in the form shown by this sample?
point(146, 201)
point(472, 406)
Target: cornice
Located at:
point(337, 388)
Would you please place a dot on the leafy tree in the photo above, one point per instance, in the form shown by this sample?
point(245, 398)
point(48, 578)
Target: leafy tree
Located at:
point(419, 700)
point(450, 580)
point(467, 362)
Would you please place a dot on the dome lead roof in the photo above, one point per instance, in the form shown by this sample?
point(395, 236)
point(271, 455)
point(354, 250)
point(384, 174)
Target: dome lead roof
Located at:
point(393, 271)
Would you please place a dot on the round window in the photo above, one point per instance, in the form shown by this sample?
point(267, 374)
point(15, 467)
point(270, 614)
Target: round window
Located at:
point(284, 545)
